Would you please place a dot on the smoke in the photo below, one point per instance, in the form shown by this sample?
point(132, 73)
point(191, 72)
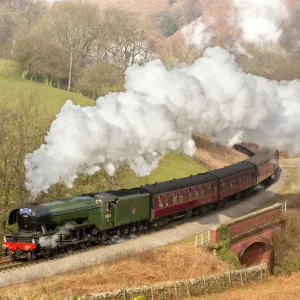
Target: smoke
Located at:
point(158, 113)
point(198, 33)
point(247, 22)
point(52, 241)
point(260, 21)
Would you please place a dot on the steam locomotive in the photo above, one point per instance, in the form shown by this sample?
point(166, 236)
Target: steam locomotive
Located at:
point(51, 228)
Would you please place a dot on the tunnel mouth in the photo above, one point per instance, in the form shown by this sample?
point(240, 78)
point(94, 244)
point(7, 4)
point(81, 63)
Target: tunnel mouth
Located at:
point(256, 253)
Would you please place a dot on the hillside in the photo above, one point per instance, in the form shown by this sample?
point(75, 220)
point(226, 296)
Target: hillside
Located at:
point(52, 97)
point(173, 165)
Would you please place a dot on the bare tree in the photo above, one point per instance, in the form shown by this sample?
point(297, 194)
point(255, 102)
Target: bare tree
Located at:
point(100, 78)
point(23, 123)
point(176, 52)
point(74, 24)
point(40, 56)
point(122, 39)
point(290, 38)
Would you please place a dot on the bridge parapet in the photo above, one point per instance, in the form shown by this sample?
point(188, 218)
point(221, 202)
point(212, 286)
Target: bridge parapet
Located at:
point(250, 223)
point(251, 236)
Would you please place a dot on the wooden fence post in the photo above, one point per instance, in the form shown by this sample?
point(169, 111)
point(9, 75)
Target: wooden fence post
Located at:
point(188, 289)
point(176, 294)
point(152, 293)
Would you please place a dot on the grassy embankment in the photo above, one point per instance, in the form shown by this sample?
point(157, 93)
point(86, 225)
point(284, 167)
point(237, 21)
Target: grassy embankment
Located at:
point(149, 268)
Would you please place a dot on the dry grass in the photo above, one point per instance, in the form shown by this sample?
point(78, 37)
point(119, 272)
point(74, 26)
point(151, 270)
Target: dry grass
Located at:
point(287, 242)
point(275, 288)
point(291, 189)
point(177, 262)
point(214, 155)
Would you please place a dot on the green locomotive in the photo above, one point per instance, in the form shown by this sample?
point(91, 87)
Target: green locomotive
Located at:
point(91, 218)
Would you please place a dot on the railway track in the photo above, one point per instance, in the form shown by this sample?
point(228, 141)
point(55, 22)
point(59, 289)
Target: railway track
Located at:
point(7, 264)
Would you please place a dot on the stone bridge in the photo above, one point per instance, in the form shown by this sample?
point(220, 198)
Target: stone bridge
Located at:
point(251, 236)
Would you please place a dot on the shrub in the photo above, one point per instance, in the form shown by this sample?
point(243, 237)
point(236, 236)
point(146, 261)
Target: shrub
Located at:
point(287, 266)
point(9, 67)
point(223, 250)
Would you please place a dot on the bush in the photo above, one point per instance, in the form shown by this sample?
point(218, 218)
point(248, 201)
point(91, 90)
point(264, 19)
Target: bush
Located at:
point(287, 266)
point(9, 67)
point(99, 79)
point(223, 250)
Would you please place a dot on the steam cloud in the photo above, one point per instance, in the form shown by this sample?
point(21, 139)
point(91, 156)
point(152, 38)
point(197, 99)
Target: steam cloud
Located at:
point(198, 33)
point(52, 241)
point(158, 112)
point(260, 21)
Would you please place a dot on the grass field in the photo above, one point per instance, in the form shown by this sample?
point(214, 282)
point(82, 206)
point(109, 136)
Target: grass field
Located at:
point(174, 165)
point(275, 288)
point(52, 97)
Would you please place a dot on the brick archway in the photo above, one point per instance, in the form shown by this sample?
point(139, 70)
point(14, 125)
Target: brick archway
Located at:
point(255, 253)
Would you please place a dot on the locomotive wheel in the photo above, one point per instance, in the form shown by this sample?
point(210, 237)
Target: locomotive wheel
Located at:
point(31, 256)
point(12, 256)
point(47, 253)
point(82, 245)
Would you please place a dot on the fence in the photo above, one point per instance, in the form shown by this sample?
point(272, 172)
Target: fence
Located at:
point(202, 239)
point(284, 206)
point(194, 287)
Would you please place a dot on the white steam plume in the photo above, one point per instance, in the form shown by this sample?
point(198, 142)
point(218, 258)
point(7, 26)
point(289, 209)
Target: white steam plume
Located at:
point(198, 33)
point(259, 20)
point(158, 112)
point(51, 241)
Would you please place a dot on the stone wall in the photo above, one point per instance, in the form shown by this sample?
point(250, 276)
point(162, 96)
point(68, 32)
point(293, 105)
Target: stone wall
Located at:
point(185, 289)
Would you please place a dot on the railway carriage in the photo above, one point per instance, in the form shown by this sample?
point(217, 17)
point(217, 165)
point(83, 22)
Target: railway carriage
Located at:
point(235, 180)
point(266, 164)
point(179, 196)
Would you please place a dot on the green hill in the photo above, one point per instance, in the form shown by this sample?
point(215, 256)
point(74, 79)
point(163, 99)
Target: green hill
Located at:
point(52, 97)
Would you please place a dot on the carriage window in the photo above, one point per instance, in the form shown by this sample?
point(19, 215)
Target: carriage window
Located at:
point(196, 192)
point(181, 197)
point(160, 203)
point(190, 194)
point(168, 200)
point(174, 198)
point(202, 190)
point(240, 180)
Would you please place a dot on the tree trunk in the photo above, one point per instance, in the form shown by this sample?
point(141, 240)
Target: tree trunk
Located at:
point(70, 72)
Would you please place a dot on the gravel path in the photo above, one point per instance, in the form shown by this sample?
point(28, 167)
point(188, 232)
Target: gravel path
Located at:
point(174, 232)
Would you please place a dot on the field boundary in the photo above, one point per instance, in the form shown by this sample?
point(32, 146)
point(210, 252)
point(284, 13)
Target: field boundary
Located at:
point(193, 287)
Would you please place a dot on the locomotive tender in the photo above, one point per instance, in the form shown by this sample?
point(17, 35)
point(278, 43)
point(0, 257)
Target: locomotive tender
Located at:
point(57, 227)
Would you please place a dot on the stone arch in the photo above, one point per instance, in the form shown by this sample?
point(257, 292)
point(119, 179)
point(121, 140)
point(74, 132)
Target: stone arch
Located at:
point(255, 253)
